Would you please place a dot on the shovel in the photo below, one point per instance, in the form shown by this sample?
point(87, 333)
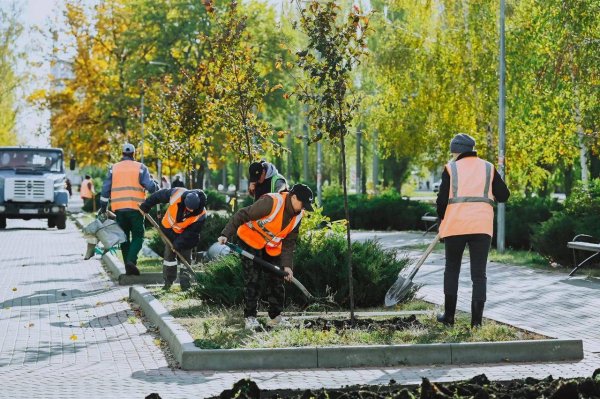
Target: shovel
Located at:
point(403, 285)
point(271, 269)
point(168, 242)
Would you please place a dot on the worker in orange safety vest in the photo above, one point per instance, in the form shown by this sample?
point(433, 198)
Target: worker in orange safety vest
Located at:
point(269, 229)
point(125, 187)
point(470, 186)
point(181, 223)
point(87, 192)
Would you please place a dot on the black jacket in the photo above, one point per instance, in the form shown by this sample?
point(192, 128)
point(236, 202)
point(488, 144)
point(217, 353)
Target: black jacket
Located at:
point(499, 188)
point(190, 237)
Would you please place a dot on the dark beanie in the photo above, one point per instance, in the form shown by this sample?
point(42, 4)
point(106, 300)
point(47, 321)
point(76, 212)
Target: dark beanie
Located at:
point(462, 143)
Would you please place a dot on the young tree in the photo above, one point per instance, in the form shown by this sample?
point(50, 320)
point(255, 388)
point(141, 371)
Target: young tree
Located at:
point(336, 44)
point(10, 29)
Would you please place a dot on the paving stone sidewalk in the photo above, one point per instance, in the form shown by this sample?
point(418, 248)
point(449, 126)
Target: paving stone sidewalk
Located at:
point(65, 331)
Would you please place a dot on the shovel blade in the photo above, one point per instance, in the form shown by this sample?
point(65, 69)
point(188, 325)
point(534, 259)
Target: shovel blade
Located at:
point(398, 291)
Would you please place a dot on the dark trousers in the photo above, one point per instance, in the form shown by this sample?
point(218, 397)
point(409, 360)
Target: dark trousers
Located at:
point(132, 223)
point(253, 273)
point(170, 267)
point(479, 246)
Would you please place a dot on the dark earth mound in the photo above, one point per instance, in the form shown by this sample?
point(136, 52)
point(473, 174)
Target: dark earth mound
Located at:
point(394, 324)
point(478, 387)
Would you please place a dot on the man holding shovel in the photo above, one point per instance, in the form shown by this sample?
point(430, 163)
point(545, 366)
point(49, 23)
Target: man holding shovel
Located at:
point(181, 224)
point(269, 229)
point(469, 188)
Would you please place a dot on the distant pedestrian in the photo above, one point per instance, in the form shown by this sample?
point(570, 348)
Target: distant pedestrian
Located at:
point(469, 188)
point(264, 178)
point(177, 182)
point(69, 187)
point(124, 186)
point(87, 192)
point(164, 182)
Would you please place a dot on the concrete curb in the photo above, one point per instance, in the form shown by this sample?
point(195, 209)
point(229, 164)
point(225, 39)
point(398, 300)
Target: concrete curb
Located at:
point(117, 270)
point(192, 358)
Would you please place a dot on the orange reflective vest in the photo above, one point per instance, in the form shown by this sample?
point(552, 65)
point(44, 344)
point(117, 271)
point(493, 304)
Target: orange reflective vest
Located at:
point(85, 191)
point(470, 201)
point(269, 232)
point(169, 221)
point(126, 191)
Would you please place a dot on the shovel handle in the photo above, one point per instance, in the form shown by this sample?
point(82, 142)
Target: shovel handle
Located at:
point(168, 242)
point(423, 257)
point(270, 268)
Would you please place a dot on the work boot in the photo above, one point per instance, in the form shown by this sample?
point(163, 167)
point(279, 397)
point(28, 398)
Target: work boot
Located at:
point(447, 318)
point(184, 280)
point(279, 322)
point(476, 313)
point(131, 269)
point(251, 323)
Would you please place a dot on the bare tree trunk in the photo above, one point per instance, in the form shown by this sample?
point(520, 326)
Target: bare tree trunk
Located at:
point(349, 250)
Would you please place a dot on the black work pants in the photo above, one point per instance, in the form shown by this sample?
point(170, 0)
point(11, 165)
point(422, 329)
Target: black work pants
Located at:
point(253, 273)
point(479, 246)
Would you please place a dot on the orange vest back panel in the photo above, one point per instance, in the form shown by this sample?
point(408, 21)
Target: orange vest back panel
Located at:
point(84, 190)
point(169, 221)
point(126, 191)
point(470, 202)
point(268, 232)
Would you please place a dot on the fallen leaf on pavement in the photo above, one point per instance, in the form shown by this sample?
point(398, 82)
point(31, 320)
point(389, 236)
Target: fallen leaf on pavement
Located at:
point(73, 337)
point(14, 289)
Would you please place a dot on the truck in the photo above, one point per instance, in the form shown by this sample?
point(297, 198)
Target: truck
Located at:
point(33, 185)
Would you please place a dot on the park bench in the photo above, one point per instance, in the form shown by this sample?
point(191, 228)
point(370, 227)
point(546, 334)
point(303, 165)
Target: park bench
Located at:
point(427, 218)
point(583, 242)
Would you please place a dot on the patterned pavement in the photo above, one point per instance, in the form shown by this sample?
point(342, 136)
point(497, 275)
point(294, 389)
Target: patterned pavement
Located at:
point(67, 331)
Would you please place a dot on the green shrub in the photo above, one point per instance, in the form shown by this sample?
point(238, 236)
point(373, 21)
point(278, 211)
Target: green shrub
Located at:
point(523, 215)
point(321, 267)
point(216, 201)
point(221, 281)
point(581, 215)
point(388, 211)
point(211, 230)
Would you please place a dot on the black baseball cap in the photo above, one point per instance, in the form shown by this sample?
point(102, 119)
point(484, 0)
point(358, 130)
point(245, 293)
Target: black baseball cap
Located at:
point(304, 194)
point(255, 170)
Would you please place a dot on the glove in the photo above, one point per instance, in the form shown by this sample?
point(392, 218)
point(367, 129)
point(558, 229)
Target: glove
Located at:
point(144, 207)
point(101, 215)
point(222, 240)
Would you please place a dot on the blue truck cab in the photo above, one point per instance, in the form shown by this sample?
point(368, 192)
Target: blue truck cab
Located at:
point(33, 185)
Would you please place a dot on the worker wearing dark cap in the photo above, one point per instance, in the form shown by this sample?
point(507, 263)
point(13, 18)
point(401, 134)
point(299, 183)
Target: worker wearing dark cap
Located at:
point(269, 229)
point(182, 223)
point(469, 188)
point(264, 178)
point(125, 187)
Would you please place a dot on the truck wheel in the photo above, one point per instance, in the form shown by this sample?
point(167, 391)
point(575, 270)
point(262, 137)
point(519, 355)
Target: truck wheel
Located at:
point(61, 221)
point(51, 222)
point(2, 222)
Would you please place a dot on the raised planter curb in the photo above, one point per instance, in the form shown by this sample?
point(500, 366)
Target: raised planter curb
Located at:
point(191, 357)
point(117, 270)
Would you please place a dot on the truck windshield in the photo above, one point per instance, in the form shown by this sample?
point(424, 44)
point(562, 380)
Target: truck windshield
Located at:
point(39, 160)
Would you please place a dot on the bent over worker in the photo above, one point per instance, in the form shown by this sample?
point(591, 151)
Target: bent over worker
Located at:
point(269, 229)
point(124, 186)
point(469, 188)
point(181, 223)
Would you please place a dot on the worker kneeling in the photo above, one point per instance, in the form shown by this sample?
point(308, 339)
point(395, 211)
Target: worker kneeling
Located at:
point(181, 224)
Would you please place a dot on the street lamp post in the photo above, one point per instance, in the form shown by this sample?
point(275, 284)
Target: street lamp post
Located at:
point(501, 127)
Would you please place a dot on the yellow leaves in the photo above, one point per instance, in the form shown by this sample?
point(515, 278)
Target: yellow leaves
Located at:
point(286, 95)
point(276, 87)
point(278, 65)
point(14, 289)
point(73, 337)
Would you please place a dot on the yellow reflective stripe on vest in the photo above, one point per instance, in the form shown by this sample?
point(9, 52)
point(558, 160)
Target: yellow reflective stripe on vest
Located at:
point(127, 188)
point(122, 199)
point(176, 195)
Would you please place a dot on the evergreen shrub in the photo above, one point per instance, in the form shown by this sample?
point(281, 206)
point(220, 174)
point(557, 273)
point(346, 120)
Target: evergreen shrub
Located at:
point(581, 215)
point(388, 211)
